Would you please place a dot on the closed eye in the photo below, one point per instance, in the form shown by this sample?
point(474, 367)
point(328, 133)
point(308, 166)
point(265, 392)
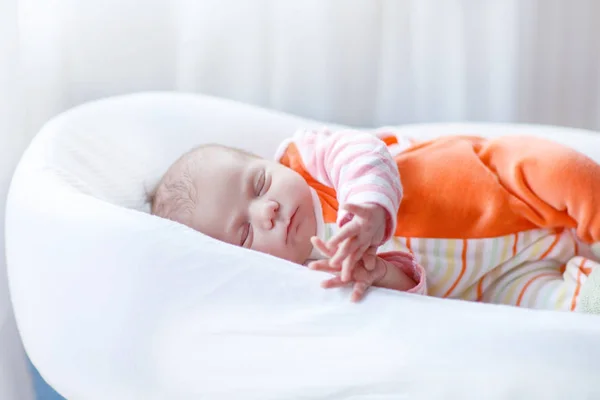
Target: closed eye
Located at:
point(245, 234)
point(260, 184)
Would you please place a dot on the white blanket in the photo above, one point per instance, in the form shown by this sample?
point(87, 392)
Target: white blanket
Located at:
point(113, 303)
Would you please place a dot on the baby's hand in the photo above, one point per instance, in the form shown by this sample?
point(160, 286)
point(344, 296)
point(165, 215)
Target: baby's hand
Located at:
point(361, 276)
point(362, 234)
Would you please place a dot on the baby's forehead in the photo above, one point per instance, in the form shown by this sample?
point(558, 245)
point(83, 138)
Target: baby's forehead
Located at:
point(224, 154)
point(221, 166)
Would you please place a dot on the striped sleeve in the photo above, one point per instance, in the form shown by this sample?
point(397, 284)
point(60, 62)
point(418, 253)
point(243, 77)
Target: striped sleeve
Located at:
point(357, 165)
point(412, 269)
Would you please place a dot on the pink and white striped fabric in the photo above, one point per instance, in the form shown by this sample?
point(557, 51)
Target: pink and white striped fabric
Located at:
point(357, 165)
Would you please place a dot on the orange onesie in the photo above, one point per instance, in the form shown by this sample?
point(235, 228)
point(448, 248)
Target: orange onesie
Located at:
point(506, 220)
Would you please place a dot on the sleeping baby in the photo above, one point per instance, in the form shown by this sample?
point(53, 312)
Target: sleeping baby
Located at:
point(507, 220)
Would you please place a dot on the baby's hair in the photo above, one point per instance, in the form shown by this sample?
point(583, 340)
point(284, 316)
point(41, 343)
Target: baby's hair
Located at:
point(176, 195)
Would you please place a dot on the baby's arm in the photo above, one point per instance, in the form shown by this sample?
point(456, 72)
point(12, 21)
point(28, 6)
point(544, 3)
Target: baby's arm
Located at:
point(358, 166)
point(361, 170)
point(402, 273)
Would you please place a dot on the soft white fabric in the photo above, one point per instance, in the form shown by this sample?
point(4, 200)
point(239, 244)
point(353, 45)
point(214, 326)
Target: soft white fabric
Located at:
point(113, 303)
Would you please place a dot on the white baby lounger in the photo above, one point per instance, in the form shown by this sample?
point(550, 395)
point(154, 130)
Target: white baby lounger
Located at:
point(113, 303)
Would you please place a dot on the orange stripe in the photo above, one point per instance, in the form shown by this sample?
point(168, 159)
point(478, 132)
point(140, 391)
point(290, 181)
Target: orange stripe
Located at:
point(462, 270)
point(578, 287)
point(586, 270)
point(563, 268)
point(389, 140)
point(556, 238)
point(515, 244)
point(480, 288)
point(529, 282)
point(408, 246)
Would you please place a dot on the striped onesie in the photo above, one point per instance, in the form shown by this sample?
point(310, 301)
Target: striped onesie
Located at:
point(506, 220)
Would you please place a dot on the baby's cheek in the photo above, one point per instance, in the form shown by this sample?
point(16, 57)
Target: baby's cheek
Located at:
point(273, 249)
point(297, 183)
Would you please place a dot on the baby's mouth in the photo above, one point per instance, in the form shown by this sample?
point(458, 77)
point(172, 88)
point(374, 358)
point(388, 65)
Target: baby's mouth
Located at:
point(290, 224)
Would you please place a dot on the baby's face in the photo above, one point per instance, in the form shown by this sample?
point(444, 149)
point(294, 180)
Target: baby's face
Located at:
point(257, 204)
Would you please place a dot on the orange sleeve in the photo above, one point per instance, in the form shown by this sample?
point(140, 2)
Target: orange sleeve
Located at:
point(559, 187)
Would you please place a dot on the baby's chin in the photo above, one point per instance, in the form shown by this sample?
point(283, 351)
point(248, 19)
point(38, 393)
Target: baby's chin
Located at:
point(303, 252)
point(299, 254)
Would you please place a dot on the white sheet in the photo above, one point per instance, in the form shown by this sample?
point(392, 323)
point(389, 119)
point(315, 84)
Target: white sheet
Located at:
point(114, 303)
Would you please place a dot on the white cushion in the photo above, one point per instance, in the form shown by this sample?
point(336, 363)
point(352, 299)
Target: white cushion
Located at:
point(114, 303)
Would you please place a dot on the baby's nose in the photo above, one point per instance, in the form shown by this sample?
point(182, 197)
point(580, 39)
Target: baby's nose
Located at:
point(267, 213)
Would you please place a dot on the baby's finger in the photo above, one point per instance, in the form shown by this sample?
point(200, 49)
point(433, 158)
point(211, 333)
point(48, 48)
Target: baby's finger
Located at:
point(321, 246)
point(358, 291)
point(370, 257)
point(343, 251)
point(334, 282)
point(360, 274)
point(348, 265)
point(369, 260)
point(349, 230)
point(323, 266)
point(349, 246)
point(349, 262)
point(371, 250)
